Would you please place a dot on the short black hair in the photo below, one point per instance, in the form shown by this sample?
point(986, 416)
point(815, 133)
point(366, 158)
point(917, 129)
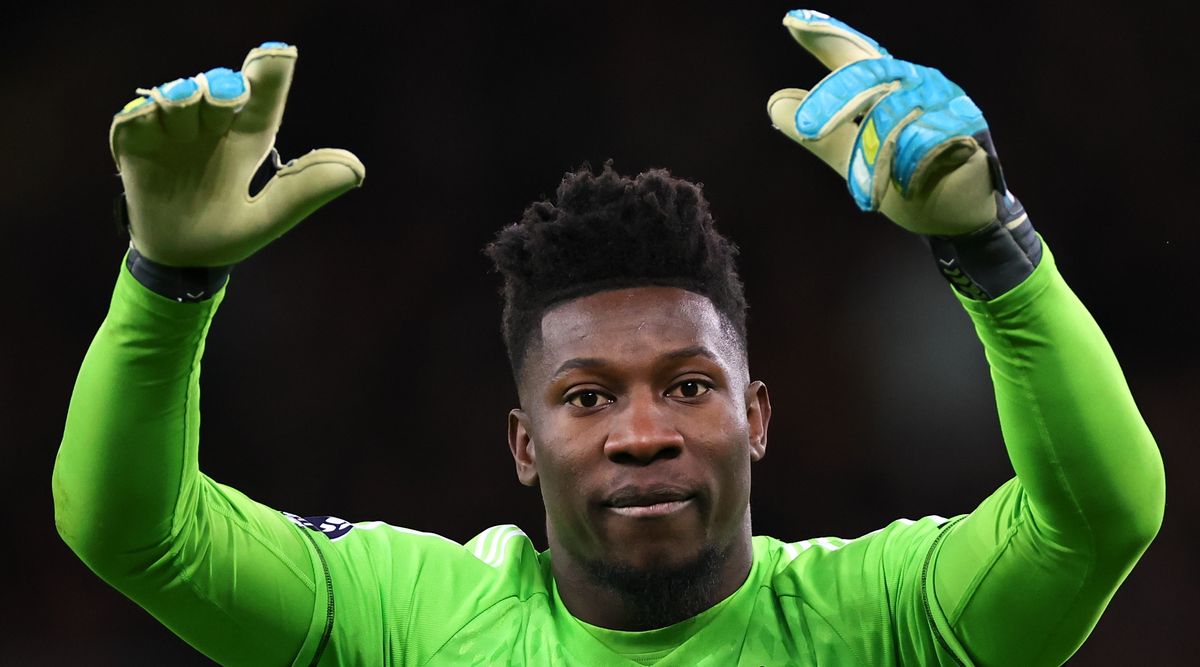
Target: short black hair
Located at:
point(607, 231)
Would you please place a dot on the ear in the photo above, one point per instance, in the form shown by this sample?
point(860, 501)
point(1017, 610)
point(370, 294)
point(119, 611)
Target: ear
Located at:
point(521, 446)
point(758, 416)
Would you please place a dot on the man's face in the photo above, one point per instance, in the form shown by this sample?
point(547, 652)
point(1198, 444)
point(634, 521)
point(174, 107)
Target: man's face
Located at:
point(639, 424)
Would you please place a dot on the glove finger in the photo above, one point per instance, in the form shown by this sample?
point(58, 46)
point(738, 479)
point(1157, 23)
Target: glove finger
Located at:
point(833, 148)
point(871, 162)
point(871, 165)
point(136, 128)
point(178, 108)
point(834, 43)
point(268, 69)
point(928, 141)
point(225, 92)
point(301, 187)
point(917, 127)
point(848, 92)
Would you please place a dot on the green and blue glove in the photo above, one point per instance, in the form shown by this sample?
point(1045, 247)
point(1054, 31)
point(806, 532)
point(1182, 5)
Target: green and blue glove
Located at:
point(187, 151)
point(912, 146)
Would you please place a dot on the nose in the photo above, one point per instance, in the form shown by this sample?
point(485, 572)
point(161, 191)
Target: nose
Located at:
point(643, 432)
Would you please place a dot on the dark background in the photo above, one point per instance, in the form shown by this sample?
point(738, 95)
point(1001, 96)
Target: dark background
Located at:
point(356, 367)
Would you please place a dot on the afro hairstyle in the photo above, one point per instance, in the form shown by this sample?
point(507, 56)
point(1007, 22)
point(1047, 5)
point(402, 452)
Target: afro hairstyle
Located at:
point(607, 231)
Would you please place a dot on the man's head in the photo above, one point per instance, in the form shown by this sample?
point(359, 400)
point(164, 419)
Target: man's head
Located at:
point(625, 324)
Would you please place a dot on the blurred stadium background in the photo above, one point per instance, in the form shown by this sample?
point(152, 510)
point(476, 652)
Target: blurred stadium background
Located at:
point(356, 367)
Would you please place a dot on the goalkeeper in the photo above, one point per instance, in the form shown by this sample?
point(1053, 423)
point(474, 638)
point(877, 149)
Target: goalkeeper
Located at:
point(624, 322)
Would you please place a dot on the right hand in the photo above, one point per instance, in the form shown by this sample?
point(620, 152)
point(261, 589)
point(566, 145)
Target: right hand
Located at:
point(186, 154)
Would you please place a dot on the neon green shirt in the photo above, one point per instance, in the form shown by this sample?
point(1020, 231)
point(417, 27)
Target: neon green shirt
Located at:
point(1020, 580)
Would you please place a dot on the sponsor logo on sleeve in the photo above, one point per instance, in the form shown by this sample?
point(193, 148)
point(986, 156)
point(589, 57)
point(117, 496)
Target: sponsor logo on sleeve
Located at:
point(330, 526)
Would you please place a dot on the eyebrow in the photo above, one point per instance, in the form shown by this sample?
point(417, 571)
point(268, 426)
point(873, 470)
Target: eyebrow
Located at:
point(593, 362)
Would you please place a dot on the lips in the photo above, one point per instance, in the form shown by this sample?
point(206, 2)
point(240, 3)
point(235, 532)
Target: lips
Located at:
point(646, 496)
point(656, 510)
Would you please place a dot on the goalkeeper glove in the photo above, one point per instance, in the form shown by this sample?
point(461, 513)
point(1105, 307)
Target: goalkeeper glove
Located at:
point(912, 146)
point(187, 151)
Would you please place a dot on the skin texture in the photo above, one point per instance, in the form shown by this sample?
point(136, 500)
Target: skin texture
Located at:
point(635, 396)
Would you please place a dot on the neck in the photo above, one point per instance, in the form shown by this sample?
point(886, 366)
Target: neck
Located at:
point(618, 597)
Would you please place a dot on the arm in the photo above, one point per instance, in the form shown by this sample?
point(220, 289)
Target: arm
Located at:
point(232, 577)
point(1025, 577)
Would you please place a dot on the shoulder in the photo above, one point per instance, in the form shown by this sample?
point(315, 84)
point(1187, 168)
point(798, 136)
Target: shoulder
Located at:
point(858, 597)
point(409, 591)
point(878, 555)
point(500, 554)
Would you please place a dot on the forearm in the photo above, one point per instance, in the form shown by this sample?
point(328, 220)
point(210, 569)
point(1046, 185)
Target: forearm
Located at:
point(1025, 577)
point(128, 459)
point(1082, 452)
point(228, 575)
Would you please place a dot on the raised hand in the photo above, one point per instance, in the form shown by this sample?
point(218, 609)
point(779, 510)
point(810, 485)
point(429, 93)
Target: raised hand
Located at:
point(188, 149)
point(909, 142)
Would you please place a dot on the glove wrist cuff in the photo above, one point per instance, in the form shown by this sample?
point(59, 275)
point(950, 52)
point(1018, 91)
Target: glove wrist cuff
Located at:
point(184, 284)
point(988, 262)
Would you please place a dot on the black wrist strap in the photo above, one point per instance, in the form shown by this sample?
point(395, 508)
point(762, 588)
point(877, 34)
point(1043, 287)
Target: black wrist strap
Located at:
point(988, 262)
point(185, 284)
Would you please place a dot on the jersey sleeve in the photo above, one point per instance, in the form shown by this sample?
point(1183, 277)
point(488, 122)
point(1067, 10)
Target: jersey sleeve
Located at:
point(1024, 578)
point(235, 579)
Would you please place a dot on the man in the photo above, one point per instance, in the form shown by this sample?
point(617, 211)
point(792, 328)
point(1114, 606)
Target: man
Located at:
point(625, 326)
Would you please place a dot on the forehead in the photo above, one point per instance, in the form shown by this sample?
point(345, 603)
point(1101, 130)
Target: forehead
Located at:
point(627, 323)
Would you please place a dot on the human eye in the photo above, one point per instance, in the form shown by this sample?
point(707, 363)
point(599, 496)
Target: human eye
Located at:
point(690, 389)
point(588, 398)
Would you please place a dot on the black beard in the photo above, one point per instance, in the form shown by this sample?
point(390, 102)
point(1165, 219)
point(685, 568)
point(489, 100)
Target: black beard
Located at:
point(656, 597)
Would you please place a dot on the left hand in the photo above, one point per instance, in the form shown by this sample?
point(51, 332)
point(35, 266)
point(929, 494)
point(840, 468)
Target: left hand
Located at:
point(909, 142)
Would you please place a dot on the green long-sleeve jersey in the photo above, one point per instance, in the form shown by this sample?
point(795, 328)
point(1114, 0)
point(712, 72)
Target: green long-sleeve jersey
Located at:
point(1020, 580)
